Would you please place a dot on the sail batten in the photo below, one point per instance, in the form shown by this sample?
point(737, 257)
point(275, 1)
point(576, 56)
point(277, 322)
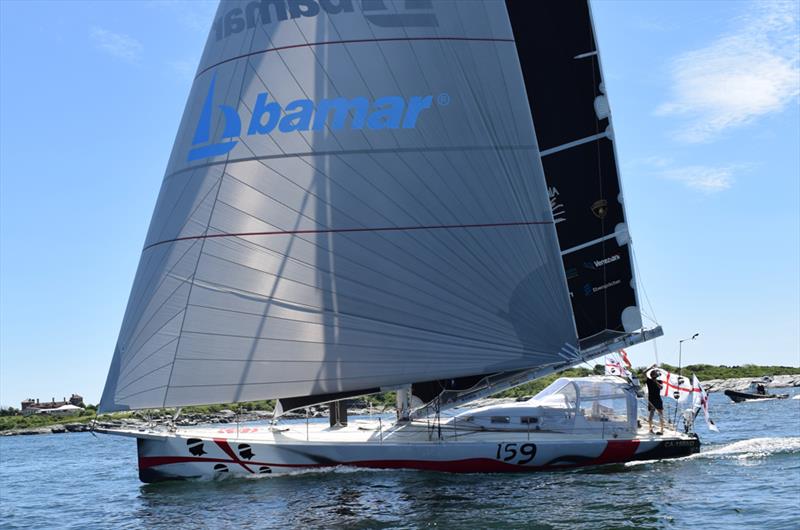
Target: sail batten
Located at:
point(351, 203)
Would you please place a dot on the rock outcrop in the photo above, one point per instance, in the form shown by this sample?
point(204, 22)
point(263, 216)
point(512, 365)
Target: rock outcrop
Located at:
point(742, 383)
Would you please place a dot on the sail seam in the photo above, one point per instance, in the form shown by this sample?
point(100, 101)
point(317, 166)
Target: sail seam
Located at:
point(350, 230)
point(352, 41)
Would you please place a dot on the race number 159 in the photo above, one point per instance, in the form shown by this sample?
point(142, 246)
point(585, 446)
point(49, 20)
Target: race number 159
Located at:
point(516, 453)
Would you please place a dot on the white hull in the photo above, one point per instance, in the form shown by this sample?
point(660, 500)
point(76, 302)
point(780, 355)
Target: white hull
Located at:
point(222, 452)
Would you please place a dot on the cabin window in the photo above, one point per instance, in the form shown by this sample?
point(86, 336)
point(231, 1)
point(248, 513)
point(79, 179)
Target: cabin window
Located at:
point(529, 420)
point(501, 419)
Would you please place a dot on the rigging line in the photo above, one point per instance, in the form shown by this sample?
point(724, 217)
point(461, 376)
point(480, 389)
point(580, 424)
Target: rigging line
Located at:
point(350, 41)
point(641, 283)
point(351, 230)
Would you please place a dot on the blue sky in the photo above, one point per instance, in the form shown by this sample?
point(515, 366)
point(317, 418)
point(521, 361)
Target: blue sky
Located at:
point(705, 105)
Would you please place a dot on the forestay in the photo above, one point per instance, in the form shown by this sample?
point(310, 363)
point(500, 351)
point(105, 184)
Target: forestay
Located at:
point(354, 200)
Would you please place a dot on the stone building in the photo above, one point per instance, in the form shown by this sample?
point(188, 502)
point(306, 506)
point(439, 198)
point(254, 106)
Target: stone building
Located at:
point(30, 406)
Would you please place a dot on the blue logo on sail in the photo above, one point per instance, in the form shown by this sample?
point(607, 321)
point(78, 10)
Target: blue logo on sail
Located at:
point(202, 134)
point(333, 114)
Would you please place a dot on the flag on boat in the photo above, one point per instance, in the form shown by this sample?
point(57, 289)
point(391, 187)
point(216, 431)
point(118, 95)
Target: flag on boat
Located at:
point(614, 367)
point(673, 386)
point(700, 401)
point(617, 366)
point(624, 356)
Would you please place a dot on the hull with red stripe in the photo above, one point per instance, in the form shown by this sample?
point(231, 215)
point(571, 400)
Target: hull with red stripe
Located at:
point(181, 456)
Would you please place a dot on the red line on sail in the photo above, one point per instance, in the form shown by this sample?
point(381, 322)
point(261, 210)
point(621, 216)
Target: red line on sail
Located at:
point(347, 230)
point(351, 41)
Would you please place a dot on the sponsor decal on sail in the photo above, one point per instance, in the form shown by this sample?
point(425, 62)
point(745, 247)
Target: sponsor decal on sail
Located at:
point(387, 112)
point(416, 13)
point(588, 289)
point(598, 263)
point(600, 208)
point(555, 205)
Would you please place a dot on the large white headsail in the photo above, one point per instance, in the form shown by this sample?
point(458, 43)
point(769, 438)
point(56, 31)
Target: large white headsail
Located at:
point(354, 200)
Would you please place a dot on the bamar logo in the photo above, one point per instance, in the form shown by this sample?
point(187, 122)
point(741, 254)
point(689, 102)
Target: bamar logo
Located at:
point(388, 112)
point(416, 14)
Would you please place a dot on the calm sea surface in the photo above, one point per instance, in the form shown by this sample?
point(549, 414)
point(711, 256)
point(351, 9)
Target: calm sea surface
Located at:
point(748, 476)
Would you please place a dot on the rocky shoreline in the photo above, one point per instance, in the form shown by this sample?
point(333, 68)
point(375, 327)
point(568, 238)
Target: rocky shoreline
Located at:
point(229, 416)
point(185, 420)
point(742, 383)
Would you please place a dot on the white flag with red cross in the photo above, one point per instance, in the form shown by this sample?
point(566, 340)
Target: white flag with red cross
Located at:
point(700, 401)
point(673, 386)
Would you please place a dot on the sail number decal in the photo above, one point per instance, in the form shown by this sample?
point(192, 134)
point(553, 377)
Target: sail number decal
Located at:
point(516, 453)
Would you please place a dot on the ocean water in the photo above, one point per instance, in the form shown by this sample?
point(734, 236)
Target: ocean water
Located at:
point(747, 476)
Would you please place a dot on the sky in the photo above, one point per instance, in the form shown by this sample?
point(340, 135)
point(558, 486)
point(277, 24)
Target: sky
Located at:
point(705, 103)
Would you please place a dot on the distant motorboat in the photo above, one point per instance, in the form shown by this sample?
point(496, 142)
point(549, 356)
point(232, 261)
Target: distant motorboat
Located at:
point(757, 390)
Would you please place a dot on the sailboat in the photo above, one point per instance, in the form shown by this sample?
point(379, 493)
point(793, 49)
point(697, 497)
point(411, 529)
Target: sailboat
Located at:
point(371, 196)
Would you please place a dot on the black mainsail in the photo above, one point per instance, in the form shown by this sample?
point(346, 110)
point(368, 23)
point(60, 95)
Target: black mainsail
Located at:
point(561, 65)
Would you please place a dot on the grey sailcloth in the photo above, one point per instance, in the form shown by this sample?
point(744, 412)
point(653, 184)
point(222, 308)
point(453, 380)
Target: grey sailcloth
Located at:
point(354, 200)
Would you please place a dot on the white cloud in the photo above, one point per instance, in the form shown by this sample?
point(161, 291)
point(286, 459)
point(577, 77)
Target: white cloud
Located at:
point(703, 178)
point(116, 44)
point(741, 76)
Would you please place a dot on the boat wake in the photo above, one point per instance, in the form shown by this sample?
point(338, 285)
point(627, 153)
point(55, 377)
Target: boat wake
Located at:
point(754, 448)
point(743, 449)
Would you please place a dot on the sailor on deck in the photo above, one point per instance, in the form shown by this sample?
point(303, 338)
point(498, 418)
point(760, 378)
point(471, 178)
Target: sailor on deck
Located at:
point(654, 402)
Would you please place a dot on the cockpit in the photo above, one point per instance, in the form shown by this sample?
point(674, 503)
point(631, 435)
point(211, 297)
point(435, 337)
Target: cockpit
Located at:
point(591, 405)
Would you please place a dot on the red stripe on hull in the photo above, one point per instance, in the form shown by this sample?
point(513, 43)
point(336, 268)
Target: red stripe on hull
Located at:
point(615, 451)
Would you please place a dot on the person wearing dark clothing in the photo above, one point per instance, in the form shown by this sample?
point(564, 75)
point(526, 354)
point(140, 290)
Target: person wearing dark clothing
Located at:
point(654, 403)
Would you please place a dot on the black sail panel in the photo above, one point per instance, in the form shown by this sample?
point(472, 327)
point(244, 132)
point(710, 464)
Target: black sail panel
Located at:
point(560, 64)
